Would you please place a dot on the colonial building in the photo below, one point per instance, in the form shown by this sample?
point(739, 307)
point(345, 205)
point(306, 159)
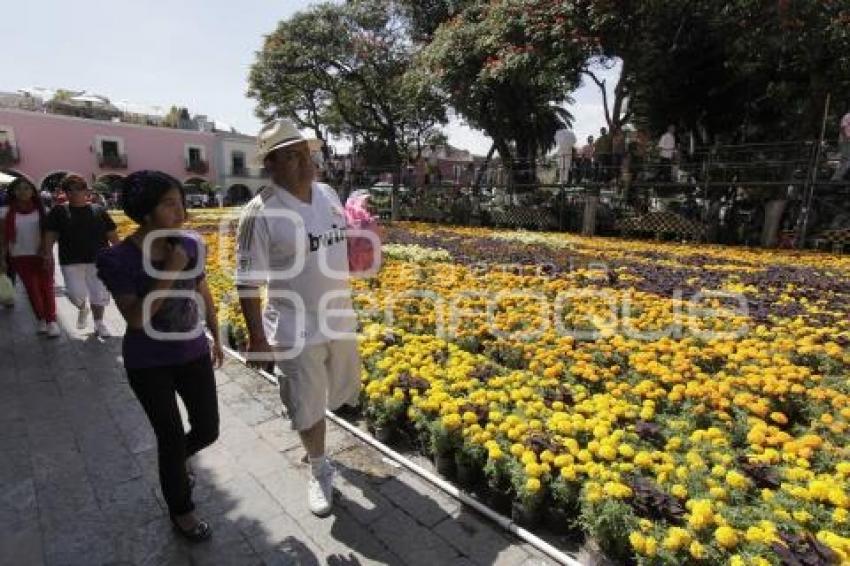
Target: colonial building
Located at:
point(44, 147)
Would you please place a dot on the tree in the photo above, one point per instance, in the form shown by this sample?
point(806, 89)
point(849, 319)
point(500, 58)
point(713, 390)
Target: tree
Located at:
point(507, 66)
point(740, 70)
point(345, 68)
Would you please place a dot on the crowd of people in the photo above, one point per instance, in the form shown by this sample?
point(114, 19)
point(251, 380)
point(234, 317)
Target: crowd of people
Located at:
point(291, 239)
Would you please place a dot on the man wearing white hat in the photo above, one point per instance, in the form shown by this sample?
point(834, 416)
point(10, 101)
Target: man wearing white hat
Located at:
point(292, 240)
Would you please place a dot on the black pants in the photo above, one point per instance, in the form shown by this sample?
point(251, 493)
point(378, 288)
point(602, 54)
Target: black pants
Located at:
point(155, 388)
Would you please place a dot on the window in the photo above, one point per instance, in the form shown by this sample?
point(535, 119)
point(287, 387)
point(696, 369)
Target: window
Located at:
point(194, 154)
point(237, 159)
point(109, 149)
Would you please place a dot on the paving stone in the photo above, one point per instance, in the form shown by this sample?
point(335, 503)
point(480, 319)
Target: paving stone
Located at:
point(480, 541)
point(362, 500)
point(290, 551)
point(131, 503)
point(233, 553)
point(17, 502)
point(132, 424)
point(249, 505)
point(411, 541)
point(365, 461)
point(276, 432)
point(21, 544)
point(419, 499)
point(83, 540)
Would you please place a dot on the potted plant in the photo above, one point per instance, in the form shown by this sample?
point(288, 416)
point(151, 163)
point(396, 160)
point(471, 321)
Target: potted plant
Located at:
point(445, 438)
point(498, 471)
point(561, 515)
point(383, 417)
point(470, 459)
point(527, 506)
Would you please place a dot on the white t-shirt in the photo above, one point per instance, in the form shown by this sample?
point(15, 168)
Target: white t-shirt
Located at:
point(275, 230)
point(27, 235)
point(667, 145)
point(565, 140)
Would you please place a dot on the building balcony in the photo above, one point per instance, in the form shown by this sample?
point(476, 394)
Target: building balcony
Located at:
point(198, 166)
point(112, 161)
point(8, 154)
point(245, 173)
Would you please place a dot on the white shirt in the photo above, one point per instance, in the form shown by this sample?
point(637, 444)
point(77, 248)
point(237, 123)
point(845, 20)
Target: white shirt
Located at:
point(667, 145)
point(565, 139)
point(27, 235)
point(277, 232)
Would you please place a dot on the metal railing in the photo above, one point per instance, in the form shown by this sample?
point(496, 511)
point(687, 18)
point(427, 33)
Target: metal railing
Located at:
point(200, 166)
point(112, 160)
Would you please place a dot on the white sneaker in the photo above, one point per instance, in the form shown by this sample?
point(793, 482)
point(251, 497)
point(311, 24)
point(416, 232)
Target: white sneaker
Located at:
point(53, 330)
point(101, 330)
point(83, 316)
point(320, 491)
point(42, 327)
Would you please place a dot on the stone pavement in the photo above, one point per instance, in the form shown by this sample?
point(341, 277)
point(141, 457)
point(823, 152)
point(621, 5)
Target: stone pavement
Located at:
point(78, 480)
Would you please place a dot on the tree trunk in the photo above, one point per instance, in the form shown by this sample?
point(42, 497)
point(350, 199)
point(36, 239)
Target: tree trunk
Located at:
point(477, 186)
point(773, 211)
point(591, 203)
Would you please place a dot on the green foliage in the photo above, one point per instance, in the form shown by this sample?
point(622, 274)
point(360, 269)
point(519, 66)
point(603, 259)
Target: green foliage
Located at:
point(506, 66)
point(344, 68)
point(610, 522)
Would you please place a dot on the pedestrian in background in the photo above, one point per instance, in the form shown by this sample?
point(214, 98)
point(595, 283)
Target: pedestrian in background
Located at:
point(23, 232)
point(82, 229)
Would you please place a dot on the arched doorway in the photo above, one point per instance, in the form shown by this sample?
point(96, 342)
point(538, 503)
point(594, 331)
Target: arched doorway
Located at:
point(197, 192)
point(238, 194)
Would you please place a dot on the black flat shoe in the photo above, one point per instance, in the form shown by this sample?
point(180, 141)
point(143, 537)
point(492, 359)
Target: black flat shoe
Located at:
point(199, 533)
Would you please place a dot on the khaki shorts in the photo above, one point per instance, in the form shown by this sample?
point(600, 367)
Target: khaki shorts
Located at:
point(323, 376)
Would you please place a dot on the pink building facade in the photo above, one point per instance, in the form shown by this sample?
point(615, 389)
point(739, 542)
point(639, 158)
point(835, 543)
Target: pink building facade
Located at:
point(45, 147)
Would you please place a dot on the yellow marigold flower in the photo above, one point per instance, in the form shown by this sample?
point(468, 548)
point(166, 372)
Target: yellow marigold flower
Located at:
point(778, 418)
point(470, 418)
point(676, 538)
point(607, 452)
point(651, 547)
point(638, 542)
point(569, 473)
point(718, 493)
point(517, 449)
point(697, 550)
point(726, 537)
point(736, 479)
point(840, 516)
point(532, 485)
point(533, 470)
point(679, 491)
point(802, 516)
point(495, 453)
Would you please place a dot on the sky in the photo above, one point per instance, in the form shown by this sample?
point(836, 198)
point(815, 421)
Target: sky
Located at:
point(193, 53)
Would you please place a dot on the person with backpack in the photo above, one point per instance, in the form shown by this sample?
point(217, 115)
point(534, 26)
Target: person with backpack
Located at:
point(82, 230)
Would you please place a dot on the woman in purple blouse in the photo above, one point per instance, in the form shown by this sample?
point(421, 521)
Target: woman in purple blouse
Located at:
point(156, 276)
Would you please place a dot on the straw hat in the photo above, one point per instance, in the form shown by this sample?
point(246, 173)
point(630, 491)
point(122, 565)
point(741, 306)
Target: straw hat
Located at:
point(281, 133)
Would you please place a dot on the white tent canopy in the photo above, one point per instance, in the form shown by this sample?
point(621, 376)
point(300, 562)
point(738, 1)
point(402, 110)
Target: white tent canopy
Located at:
point(5, 179)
